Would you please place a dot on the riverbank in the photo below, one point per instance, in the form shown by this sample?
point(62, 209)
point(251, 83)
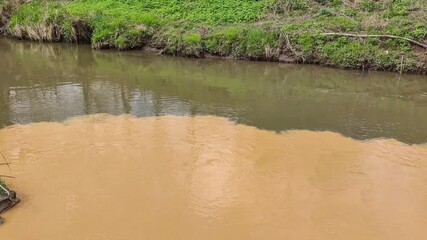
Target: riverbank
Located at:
point(303, 31)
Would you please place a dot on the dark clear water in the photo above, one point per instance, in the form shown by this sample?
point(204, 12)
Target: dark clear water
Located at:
point(54, 82)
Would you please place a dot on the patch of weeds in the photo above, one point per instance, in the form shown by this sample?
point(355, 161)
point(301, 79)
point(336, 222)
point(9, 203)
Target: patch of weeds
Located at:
point(2, 5)
point(419, 31)
point(306, 42)
point(2, 183)
point(347, 53)
point(406, 28)
point(398, 8)
point(324, 2)
point(193, 39)
point(192, 44)
point(258, 41)
point(48, 21)
point(325, 12)
point(341, 24)
point(283, 6)
point(368, 5)
point(222, 41)
point(177, 42)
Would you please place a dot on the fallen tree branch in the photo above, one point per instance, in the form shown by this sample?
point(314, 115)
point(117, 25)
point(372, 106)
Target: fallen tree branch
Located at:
point(5, 160)
point(376, 36)
point(6, 176)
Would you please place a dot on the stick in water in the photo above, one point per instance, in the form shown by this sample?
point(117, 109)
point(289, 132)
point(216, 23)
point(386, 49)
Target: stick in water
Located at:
point(6, 176)
point(5, 160)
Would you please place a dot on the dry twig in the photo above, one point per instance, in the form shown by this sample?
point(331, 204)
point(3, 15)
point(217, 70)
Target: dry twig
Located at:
point(376, 36)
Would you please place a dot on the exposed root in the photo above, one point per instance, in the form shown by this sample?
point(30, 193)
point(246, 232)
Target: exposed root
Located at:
point(272, 53)
point(81, 31)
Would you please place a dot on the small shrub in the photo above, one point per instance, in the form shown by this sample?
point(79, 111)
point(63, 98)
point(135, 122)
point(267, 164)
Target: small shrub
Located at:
point(325, 12)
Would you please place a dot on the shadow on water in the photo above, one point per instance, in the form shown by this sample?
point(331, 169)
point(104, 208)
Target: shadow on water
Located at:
point(53, 82)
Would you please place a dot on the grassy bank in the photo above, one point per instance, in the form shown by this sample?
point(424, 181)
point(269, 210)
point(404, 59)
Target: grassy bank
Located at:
point(275, 30)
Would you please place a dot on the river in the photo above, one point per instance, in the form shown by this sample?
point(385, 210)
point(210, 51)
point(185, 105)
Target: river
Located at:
point(110, 145)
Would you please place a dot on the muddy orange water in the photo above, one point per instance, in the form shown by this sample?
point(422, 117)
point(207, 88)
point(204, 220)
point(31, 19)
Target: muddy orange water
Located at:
point(119, 177)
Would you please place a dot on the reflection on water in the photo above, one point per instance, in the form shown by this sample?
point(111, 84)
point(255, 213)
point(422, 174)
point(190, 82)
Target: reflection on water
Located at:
point(119, 177)
point(53, 82)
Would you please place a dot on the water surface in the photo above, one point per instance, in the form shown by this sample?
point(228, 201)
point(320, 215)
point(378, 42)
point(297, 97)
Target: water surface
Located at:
point(118, 177)
point(119, 146)
point(53, 82)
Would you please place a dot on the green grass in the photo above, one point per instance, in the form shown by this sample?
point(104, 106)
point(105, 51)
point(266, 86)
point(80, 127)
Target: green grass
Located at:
point(250, 29)
point(2, 183)
point(212, 12)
